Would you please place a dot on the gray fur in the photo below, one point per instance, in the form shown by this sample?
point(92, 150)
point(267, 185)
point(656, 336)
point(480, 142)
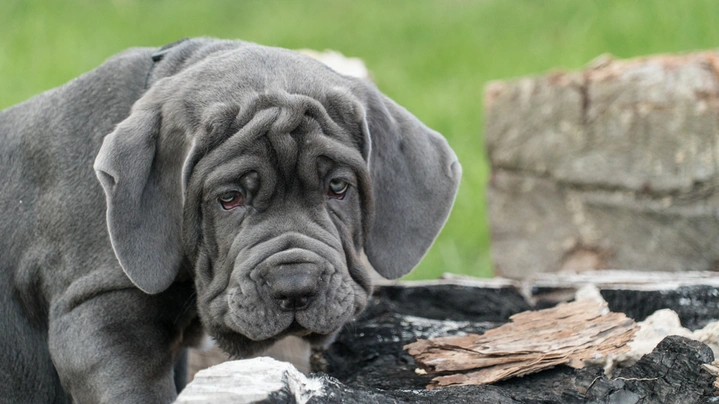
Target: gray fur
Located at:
point(104, 282)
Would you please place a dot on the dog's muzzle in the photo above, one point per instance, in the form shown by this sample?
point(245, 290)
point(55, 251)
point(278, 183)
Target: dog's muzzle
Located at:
point(293, 285)
point(293, 278)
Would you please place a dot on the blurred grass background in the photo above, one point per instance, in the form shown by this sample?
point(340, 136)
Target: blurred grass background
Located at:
point(433, 57)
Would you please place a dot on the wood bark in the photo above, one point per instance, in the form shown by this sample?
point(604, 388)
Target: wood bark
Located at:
point(569, 334)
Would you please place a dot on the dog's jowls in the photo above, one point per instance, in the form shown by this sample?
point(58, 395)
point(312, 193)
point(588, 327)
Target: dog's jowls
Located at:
point(244, 190)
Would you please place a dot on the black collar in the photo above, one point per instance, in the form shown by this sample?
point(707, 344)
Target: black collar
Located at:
point(158, 55)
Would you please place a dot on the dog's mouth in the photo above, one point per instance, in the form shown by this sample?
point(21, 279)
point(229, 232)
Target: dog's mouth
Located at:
point(315, 339)
point(296, 290)
point(260, 317)
point(297, 329)
point(290, 285)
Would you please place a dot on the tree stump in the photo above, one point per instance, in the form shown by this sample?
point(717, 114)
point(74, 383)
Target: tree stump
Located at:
point(616, 166)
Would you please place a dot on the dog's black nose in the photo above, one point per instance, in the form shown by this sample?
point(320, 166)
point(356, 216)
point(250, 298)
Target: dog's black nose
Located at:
point(294, 286)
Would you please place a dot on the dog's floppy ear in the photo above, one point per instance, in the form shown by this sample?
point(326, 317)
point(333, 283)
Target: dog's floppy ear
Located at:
point(144, 199)
point(415, 176)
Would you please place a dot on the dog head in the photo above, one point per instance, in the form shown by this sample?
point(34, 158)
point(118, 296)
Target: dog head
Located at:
point(281, 183)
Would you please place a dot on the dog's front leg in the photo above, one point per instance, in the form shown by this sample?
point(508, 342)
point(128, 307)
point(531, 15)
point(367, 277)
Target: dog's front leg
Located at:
point(119, 346)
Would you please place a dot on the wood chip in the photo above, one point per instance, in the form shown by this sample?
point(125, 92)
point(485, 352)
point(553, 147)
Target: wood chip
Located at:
point(568, 334)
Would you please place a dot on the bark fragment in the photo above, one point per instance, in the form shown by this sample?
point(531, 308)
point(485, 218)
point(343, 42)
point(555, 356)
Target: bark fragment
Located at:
point(568, 334)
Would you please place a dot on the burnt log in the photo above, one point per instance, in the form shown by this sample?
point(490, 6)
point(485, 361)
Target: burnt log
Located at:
point(368, 355)
point(670, 374)
point(367, 362)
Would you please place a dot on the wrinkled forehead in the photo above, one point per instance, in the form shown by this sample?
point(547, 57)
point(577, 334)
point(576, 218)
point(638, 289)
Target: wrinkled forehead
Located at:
point(235, 100)
point(280, 135)
point(237, 74)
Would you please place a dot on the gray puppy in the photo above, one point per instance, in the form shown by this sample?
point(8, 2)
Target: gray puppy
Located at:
point(243, 190)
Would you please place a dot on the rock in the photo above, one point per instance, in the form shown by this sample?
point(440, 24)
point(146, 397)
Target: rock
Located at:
point(652, 331)
point(616, 166)
point(250, 381)
point(289, 349)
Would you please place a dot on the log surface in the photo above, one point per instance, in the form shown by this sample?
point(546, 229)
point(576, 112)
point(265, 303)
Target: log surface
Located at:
point(368, 354)
point(613, 167)
point(368, 365)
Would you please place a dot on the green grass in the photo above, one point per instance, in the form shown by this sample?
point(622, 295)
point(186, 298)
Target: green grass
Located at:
point(433, 57)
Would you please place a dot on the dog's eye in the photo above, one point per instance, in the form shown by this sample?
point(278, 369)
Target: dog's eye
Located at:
point(231, 200)
point(338, 188)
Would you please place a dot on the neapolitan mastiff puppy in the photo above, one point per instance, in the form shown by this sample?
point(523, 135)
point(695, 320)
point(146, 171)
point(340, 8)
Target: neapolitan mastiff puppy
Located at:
point(244, 188)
